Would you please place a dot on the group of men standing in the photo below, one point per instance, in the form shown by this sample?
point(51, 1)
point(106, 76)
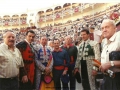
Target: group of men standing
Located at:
point(23, 65)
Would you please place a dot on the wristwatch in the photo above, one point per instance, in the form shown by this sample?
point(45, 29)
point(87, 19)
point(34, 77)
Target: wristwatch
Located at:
point(112, 64)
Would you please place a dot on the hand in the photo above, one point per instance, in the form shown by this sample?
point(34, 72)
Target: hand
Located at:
point(94, 72)
point(64, 72)
point(104, 67)
point(76, 70)
point(25, 79)
point(47, 70)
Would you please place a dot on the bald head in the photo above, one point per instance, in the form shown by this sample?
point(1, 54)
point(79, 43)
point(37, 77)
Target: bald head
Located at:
point(111, 22)
point(108, 28)
point(50, 43)
point(68, 39)
point(9, 38)
point(7, 33)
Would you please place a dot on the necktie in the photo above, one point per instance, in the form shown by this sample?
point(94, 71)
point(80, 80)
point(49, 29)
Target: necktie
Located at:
point(44, 51)
point(83, 46)
point(31, 47)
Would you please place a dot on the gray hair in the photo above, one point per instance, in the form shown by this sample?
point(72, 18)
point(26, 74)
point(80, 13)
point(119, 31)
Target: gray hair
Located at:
point(4, 35)
point(110, 21)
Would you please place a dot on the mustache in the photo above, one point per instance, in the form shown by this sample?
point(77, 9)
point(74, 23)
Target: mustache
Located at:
point(12, 41)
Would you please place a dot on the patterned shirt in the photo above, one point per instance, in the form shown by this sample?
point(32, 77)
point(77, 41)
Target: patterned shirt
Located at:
point(10, 61)
point(91, 51)
point(42, 57)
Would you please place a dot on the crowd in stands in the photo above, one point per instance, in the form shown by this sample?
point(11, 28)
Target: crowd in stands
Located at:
point(71, 28)
point(85, 31)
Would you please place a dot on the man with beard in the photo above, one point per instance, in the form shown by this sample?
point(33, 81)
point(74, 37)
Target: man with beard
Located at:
point(10, 62)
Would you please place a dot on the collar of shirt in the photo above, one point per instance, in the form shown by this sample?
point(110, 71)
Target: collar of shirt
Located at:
point(6, 46)
point(27, 41)
point(111, 39)
point(60, 50)
point(42, 46)
point(69, 45)
point(85, 41)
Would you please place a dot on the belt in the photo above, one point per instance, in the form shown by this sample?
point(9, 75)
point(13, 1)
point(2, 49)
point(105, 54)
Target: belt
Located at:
point(12, 78)
point(72, 62)
point(59, 67)
point(115, 74)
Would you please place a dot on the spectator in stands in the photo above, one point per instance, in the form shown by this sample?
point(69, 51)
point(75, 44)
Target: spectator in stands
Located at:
point(107, 60)
point(88, 50)
point(10, 62)
point(28, 55)
point(97, 34)
point(51, 44)
point(61, 41)
point(72, 52)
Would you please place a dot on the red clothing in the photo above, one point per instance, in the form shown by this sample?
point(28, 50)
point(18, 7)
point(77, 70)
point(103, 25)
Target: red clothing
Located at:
point(28, 58)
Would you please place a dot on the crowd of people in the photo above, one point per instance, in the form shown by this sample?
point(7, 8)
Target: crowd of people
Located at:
point(34, 62)
point(55, 58)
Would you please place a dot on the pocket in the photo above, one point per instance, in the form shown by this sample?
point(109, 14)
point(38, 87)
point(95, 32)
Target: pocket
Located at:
point(18, 61)
point(4, 61)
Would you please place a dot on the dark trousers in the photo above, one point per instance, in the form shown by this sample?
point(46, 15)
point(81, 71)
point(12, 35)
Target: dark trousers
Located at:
point(25, 86)
point(71, 76)
point(84, 74)
point(9, 83)
point(110, 83)
point(85, 84)
point(56, 77)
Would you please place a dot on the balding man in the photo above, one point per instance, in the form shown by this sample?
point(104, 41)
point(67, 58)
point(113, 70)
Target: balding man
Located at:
point(10, 62)
point(51, 45)
point(108, 60)
point(72, 52)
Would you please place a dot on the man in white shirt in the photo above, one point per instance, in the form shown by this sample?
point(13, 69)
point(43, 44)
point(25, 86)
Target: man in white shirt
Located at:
point(110, 44)
point(10, 62)
point(118, 35)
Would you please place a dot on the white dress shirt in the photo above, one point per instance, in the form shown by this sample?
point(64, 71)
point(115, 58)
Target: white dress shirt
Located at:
point(10, 61)
point(108, 46)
